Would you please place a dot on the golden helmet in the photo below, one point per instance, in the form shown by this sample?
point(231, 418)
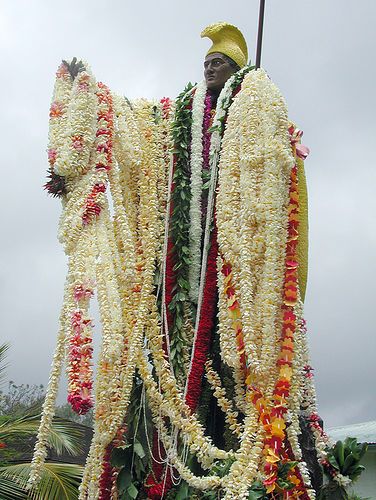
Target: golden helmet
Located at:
point(227, 39)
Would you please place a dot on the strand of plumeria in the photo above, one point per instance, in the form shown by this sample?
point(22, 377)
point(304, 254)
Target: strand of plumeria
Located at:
point(108, 296)
point(57, 126)
point(109, 422)
point(123, 233)
point(247, 461)
point(270, 182)
point(322, 441)
point(205, 325)
point(151, 130)
point(165, 156)
point(127, 151)
point(292, 419)
point(48, 409)
point(298, 366)
point(276, 449)
point(60, 114)
point(205, 296)
point(172, 404)
point(79, 339)
point(122, 228)
point(274, 444)
point(156, 401)
point(95, 212)
point(232, 347)
point(246, 298)
point(148, 231)
point(274, 420)
point(80, 127)
point(219, 392)
point(195, 227)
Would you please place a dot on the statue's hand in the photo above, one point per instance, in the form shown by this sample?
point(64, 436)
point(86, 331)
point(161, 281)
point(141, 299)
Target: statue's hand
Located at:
point(74, 67)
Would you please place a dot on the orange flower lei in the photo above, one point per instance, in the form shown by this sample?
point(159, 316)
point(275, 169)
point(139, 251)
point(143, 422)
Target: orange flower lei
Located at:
point(272, 413)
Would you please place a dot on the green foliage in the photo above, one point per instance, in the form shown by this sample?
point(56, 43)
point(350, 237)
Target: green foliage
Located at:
point(65, 436)
point(21, 399)
point(133, 458)
point(65, 411)
point(179, 225)
point(74, 67)
point(58, 482)
point(257, 491)
point(344, 458)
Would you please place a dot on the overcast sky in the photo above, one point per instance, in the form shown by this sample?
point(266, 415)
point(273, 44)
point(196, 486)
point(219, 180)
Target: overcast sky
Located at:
point(320, 53)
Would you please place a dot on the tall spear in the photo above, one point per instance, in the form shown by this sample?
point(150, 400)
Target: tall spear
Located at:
point(259, 35)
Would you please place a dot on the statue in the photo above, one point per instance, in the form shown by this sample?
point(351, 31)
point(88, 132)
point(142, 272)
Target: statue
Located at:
point(200, 278)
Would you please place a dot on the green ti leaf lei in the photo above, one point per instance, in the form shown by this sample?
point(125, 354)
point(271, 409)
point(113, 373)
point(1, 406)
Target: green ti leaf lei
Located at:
point(179, 226)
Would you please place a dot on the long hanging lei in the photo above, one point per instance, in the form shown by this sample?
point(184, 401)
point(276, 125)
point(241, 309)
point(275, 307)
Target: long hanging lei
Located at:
point(188, 163)
point(269, 361)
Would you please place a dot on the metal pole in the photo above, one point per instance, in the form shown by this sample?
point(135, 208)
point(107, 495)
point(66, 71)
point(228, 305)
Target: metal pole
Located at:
point(259, 35)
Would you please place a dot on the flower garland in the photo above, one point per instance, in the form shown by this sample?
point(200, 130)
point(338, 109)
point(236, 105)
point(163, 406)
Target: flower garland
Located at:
point(80, 353)
point(251, 345)
point(250, 244)
point(205, 324)
point(220, 394)
point(204, 329)
point(57, 126)
point(79, 130)
point(117, 362)
point(148, 226)
point(207, 283)
point(195, 227)
point(127, 152)
point(48, 408)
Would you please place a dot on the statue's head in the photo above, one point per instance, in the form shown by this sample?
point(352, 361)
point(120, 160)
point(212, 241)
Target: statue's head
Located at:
point(227, 54)
point(217, 70)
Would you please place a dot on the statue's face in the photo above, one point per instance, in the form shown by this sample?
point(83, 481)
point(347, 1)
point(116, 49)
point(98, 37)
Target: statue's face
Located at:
point(216, 71)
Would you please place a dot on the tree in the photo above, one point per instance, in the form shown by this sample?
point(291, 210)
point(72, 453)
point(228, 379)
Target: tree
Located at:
point(59, 481)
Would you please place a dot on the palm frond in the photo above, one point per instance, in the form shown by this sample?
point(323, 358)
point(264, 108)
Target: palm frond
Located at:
point(58, 481)
point(65, 436)
point(9, 490)
point(3, 366)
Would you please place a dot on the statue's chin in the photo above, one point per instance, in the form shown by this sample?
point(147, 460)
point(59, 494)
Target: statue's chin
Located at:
point(214, 87)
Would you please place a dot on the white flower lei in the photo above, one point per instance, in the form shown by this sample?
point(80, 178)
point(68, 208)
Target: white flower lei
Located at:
point(80, 127)
point(195, 228)
point(215, 145)
point(59, 113)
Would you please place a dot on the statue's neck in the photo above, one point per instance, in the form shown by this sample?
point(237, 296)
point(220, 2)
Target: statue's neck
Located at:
point(214, 94)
